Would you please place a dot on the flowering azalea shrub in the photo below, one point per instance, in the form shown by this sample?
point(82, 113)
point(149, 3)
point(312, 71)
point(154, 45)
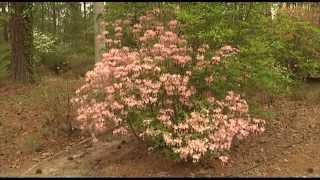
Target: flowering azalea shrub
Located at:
point(160, 89)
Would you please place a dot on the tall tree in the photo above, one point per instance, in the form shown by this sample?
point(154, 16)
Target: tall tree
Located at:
point(73, 24)
point(42, 16)
point(98, 10)
point(54, 18)
point(20, 30)
point(85, 19)
point(4, 20)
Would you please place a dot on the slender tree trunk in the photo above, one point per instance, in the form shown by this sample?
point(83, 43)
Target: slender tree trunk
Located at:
point(21, 42)
point(5, 23)
point(248, 11)
point(85, 20)
point(3, 8)
point(73, 30)
point(98, 10)
point(54, 18)
point(42, 17)
point(84, 10)
point(5, 31)
point(58, 30)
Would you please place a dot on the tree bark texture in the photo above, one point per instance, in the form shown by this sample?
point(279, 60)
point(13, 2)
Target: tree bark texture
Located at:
point(21, 43)
point(98, 10)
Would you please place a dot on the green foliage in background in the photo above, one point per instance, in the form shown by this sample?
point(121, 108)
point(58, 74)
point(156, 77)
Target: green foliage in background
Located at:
point(269, 48)
point(297, 44)
point(272, 52)
point(61, 32)
point(115, 11)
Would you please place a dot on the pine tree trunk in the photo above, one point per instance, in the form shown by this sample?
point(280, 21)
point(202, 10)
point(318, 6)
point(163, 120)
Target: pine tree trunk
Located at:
point(42, 17)
point(58, 11)
point(98, 10)
point(85, 20)
point(54, 18)
point(20, 30)
point(73, 31)
point(5, 32)
point(3, 7)
point(5, 24)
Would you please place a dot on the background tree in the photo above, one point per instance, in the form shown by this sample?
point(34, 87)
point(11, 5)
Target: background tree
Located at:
point(4, 20)
point(20, 28)
point(98, 10)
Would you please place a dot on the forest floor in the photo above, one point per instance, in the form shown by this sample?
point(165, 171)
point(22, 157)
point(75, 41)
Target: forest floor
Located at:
point(289, 147)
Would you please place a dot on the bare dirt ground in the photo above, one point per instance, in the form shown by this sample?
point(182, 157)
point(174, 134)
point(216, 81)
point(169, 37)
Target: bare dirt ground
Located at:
point(289, 147)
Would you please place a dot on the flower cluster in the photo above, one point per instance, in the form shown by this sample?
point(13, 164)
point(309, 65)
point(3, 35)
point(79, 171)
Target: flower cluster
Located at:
point(153, 80)
point(215, 128)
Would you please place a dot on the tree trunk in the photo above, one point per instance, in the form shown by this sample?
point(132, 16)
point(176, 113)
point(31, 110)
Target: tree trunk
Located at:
point(98, 10)
point(85, 20)
point(74, 26)
point(54, 18)
point(5, 32)
point(42, 17)
point(20, 30)
point(58, 11)
point(5, 23)
point(3, 8)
